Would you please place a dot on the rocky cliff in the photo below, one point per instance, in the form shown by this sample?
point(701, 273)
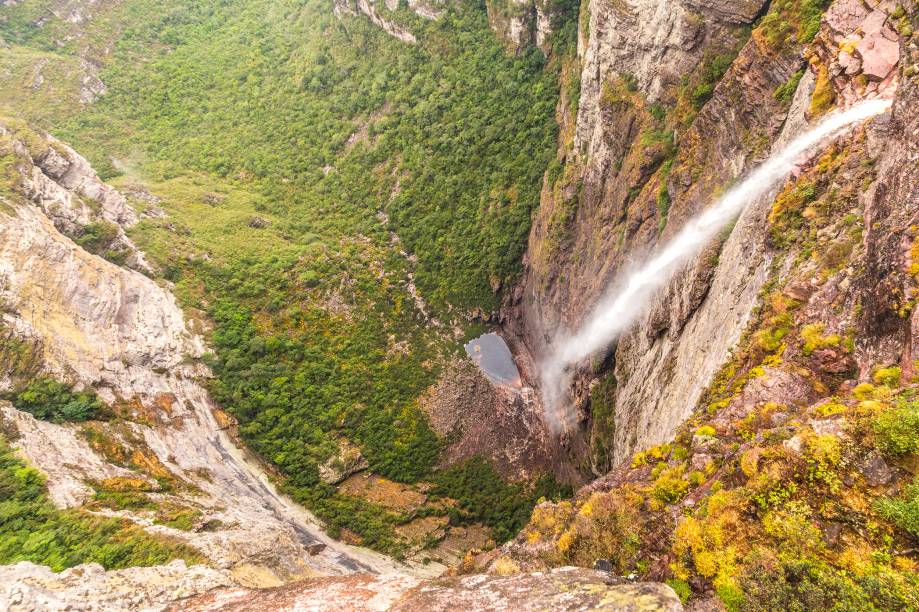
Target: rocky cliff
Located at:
point(668, 117)
point(785, 349)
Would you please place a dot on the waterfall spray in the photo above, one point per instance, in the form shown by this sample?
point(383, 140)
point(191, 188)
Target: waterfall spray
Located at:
point(628, 297)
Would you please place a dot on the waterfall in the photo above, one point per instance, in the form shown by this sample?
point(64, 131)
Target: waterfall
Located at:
point(628, 296)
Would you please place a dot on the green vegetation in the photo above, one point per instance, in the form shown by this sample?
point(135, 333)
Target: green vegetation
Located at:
point(484, 497)
point(32, 529)
point(50, 400)
point(792, 21)
point(334, 135)
point(603, 421)
point(902, 511)
point(786, 91)
point(897, 429)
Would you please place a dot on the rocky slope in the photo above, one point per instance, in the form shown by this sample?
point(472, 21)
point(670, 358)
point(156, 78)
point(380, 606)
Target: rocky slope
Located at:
point(111, 328)
point(560, 589)
point(753, 435)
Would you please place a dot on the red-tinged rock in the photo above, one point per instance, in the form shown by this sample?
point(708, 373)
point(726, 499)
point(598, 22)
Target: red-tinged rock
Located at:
point(879, 56)
point(567, 588)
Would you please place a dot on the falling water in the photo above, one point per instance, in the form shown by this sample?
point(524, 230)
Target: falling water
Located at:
point(628, 297)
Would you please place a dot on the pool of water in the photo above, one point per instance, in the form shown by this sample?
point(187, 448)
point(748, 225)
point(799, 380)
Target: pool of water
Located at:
point(491, 354)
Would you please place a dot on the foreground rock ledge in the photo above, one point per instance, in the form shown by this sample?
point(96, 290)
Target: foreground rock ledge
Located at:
point(567, 588)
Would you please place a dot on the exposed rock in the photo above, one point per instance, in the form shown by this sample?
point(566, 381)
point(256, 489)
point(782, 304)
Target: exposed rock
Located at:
point(879, 56)
point(479, 419)
point(875, 470)
point(257, 222)
point(373, 12)
point(26, 587)
point(347, 461)
point(350, 593)
point(92, 87)
point(700, 460)
point(63, 184)
point(829, 427)
point(522, 23)
point(560, 589)
point(59, 447)
point(663, 366)
point(857, 41)
point(564, 588)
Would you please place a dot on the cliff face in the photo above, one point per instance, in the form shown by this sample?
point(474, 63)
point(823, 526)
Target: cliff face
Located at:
point(786, 349)
point(675, 106)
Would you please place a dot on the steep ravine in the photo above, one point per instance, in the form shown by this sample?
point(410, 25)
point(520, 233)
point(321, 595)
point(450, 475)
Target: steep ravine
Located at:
point(116, 330)
point(752, 387)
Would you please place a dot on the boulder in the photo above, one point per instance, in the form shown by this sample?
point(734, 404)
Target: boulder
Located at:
point(347, 461)
point(875, 470)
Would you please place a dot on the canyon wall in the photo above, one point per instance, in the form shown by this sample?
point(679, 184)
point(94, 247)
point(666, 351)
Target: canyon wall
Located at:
point(677, 101)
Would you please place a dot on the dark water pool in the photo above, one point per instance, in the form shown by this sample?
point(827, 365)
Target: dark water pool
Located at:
point(491, 354)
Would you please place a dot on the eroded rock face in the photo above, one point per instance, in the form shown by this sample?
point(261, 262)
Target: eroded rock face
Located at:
point(347, 461)
point(26, 587)
point(664, 364)
point(655, 41)
point(859, 39)
point(63, 184)
point(482, 419)
point(566, 588)
point(377, 12)
point(522, 23)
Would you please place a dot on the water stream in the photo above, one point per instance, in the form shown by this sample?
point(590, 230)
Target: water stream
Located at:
point(628, 296)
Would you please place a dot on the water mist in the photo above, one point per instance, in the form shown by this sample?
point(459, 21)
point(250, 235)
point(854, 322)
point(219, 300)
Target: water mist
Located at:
point(629, 295)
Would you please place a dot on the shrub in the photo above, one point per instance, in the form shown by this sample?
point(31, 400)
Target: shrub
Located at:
point(902, 511)
point(896, 430)
point(786, 91)
point(681, 588)
point(814, 339)
point(863, 391)
point(794, 583)
point(484, 497)
point(824, 95)
point(887, 376)
point(607, 526)
point(669, 486)
point(706, 430)
point(50, 400)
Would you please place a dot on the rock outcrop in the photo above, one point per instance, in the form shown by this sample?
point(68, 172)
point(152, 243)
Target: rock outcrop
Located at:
point(26, 587)
point(479, 418)
point(379, 13)
point(560, 589)
point(523, 23)
point(70, 193)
